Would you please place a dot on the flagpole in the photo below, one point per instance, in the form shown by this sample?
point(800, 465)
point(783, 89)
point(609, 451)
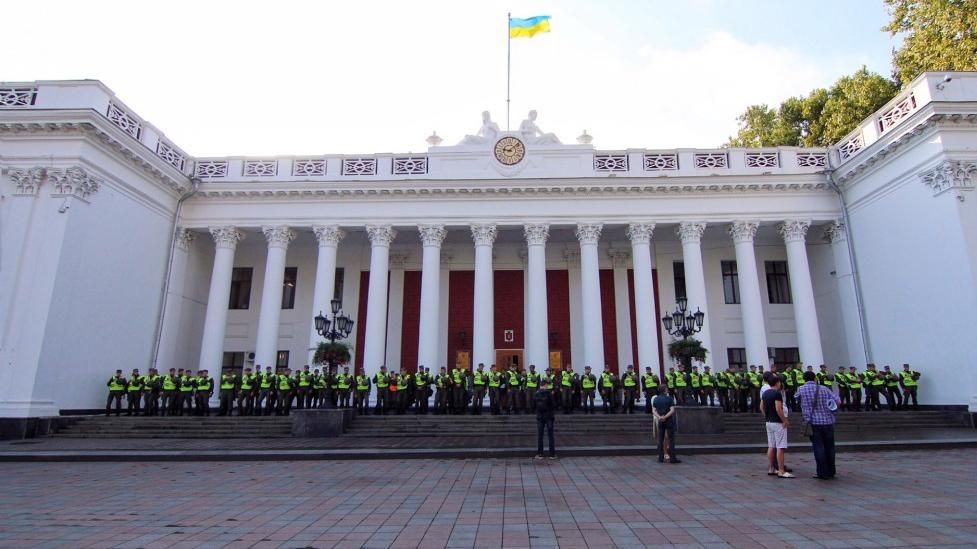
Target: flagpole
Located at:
point(508, 67)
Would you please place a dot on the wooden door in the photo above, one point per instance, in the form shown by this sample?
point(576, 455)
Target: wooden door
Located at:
point(508, 358)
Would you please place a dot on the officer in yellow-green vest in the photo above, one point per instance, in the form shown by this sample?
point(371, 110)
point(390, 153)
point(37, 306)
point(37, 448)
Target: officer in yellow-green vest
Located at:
point(825, 378)
point(458, 402)
point(649, 384)
point(170, 386)
point(284, 385)
point(362, 399)
point(874, 384)
point(722, 389)
point(495, 390)
point(421, 382)
point(681, 382)
point(318, 391)
point(512, 390)
point(150, 393)
point(909, 379)
point(893, 396)
point(841, 380)
point(228, 384)
point(117, 387)
point(630, 382)
point(707, 387)
point(381, 380)
point(344, 382)
point(532, 385)
point(695, 382)
point(187, 382)
point(670, 382)
point(204, 385)
point(265, 402)
point(588, 388)
point(755, 382)
point(442, 390)
point(134, 393)
point(607, 392)
point(303, 386)
point(403, 383)
point(855, 381)
point(247, 392)
point(480, 381)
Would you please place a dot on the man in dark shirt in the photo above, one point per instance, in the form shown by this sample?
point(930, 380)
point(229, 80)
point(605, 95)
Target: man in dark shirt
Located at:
point(545, 412)
point(664, 406)
point(772, 406)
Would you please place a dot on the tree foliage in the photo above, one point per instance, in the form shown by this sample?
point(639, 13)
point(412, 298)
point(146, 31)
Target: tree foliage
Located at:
point(938, 35)
point(686, 350)
point(331, 353)
point(817, 119)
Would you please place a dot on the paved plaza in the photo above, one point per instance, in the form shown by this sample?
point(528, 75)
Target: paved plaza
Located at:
point(881, 499)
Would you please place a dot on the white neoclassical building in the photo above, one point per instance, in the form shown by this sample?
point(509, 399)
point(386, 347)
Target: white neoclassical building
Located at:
point(120, 250)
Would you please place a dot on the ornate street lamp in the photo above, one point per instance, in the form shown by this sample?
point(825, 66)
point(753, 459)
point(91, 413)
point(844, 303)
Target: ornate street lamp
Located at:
point(683, 323)
point(338, 328)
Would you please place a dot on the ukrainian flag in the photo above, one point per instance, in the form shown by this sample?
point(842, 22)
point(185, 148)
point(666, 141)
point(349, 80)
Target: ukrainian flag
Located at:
point(527, 28)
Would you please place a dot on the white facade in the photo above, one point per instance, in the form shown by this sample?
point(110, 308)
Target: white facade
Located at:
point(117, 248)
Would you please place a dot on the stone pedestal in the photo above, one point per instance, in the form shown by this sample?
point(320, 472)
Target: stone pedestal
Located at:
point(699, 420)
point(320, 423)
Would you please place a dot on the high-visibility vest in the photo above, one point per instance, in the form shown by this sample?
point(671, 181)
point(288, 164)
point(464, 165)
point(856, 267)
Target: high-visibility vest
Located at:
point(169, 383)
point(441, 380)
point(707, 380)
point(265, 381)
point(754, 379)
point(116, 384)
point(532, 380)
point(854, 382)
point(304, 379)
point(907, 378)
point(381, 379)
point(204, 384)
point(798, 377)
point(419, 380)
point(362, 383)
point(135, 385)
point(696, 380)
point(495, 380)
point(680, 380)
point(513, 379)
point(567, 378)
point(248, 381)
point(343, 381)
point(588, 381)
point(606, 381)
point(402, 382)
point(891, 380)
point(227, 382)
point(875, 378)
point(479, 378)
point(186, 384)
point(650, 381)
point(721, 380)
point(630, 379)
point(670, 380)
point(842, 379)
point(456, 376)
point(318, 382)
point(284, 383)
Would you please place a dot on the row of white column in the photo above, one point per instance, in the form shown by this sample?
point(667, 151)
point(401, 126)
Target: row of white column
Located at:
point(536, 338)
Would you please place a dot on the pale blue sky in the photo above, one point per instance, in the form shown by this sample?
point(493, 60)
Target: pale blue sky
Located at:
point(290, 77)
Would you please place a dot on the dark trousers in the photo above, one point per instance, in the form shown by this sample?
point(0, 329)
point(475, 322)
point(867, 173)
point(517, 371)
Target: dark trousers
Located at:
point(151, 403)
point(755, 399)
point(115, 396)
point(845, 396)
point(185, 403)
point(911, 393)
point(667, 426)
point(588, 401)
point(422, 401)
point(441, 400)
point(362, 402)
point(823, 443)
point(545, 423)
point(630, 395)
point(203, 404)
point(856, 399)
point(171, 400)
point(227, 402)
point(494, 398)
point(383, 394)
point(723, 398)
point(132, 399)
point(461, 403)
point(477, 401)
point(893, 396)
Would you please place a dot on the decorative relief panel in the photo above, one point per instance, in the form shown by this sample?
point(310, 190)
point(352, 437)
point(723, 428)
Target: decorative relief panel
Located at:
point(851, 147)
point(711, 160)
point(953, 175)
point(211, 168)
point(260, 168)
point(610, 163)
point(656, 162)
point(900, 110)
point(125, 121)
point(27, 181)
point(307, 167)
point(359, 166)
point(410, 165)
point(812, 160)
point(73, 181)
point(762, 160)
point(169, 153)
point(17, 97)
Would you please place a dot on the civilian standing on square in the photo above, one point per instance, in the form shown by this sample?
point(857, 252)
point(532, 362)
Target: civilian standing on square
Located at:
point(664, 410)
point(818, 406)
point(772, 407)
point(545, 414)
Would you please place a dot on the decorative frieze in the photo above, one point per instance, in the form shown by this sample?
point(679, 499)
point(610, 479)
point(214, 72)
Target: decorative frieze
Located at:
point(432, 235)
point(226, 237)
point(536, 233)
point(743, 231)
point(691, 231)
point(762, 160)
point(640, 233)
point(308, 167)
point(170, 155)
point(660, 161)
point(410, 165)
point(184, 237)
point(711, 160)
point(484, 234)
point(74, 181)
point(610, 163)
point(211, 168)
point(328, 235)
point(17, 97)
point(260, 168)
point(951, 175)
point(27, 180)
point(794, 230)
point(380, 235)
point(125, 121)
point(812, 160)
point(589, 233)
point(359, 166)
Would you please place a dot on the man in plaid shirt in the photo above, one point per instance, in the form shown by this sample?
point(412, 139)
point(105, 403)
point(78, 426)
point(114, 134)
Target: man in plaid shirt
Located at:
point(822, 419)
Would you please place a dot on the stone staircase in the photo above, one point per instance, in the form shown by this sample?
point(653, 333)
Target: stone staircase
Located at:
point(856, 422)
point(174, 427)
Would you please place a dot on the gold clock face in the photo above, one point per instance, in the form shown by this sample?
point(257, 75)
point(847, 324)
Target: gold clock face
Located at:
point(509, 151)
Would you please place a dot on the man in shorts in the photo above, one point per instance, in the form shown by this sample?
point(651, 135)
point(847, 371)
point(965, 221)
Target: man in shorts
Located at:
point(772, 406)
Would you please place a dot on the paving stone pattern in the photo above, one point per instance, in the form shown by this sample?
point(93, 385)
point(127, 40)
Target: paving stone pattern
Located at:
point(885, 499)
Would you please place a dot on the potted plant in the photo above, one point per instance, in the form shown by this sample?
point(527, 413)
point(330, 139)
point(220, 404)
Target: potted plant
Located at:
point(685, 350)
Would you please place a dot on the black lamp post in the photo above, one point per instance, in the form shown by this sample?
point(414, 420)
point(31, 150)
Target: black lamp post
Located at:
point(683, 323)
point(338, 328)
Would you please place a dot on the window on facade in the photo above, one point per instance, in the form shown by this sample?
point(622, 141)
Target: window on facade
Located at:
point(337, 292)
point(778, 282)
point(288, 287)
point(782, 356)
point(736, 357)
point(240, 288)
point(731, 284)
point(678, 270)
point(232, 363)
point(281, 361)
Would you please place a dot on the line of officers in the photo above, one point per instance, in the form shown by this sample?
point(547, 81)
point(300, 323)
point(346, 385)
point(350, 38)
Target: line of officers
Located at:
point(459, 391)
point(508, 390)
point(738, 390)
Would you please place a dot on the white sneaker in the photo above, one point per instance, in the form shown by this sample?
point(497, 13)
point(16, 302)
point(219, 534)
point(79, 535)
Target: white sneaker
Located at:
point(538, 457)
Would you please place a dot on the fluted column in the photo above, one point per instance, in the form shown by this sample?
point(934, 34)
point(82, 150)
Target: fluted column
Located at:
point(266, 347)
point(427, 340)
point(215, 319)
point(483, 338)
point(376, 305)
point(802, 292)
point(695, 281)
point(328, 237)
point(593, 326)
point(751, 307)
point(166, 357)
point(646, 323)
point(395, 310)
point(837, 235)
point(620, 260)
point(537, 324)
point(572, 257)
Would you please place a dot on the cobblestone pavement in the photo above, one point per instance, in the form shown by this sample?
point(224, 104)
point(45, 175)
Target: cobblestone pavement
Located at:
point(879, 500)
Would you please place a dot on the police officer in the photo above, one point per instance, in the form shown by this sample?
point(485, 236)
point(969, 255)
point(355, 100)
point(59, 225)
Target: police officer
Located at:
point(170, 385)
point(825, 378)
point(841, 380)
point(681, 382)
point(205, 389)
point(403, 384)
point(532, 385)
point(284, 388)
point(607, 391)
point(588, 386)
point(755, 382)
point(458, 401)
point(228, 384)
point(186, 393)
point(117, 386)
point(909, 379)
point(265, 400)
point(134, 393)
point(480, 381)
point(150, 394)
point(874, 384)
point(649, 384)
point(495, 391)
point(707, 387)
point(855, 380)
point(421, 382)
point(630, 383)
point(362, 398)
point(722, 388)
point(442, 390)
point(248, 385)
point(670, 382)
point(303, 385)
point(382, 383)
point(695, 382)
point(893, 396)
point(344, 382)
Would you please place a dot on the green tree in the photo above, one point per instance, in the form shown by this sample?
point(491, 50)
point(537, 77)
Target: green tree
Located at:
point(938, 35)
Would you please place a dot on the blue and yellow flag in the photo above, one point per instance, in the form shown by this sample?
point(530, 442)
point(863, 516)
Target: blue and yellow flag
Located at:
point(527, 28)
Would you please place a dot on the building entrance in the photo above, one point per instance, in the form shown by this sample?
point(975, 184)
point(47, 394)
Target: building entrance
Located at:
point(508, 358)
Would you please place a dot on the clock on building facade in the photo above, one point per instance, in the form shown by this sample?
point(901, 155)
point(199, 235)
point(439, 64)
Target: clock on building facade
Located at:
point(509, 151)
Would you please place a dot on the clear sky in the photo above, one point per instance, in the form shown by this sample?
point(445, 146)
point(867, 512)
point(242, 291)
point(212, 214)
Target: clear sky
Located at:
point(363, 76)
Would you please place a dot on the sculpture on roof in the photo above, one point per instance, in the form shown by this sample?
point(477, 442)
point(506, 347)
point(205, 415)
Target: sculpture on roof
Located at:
point(487, 133)
point(532, 134)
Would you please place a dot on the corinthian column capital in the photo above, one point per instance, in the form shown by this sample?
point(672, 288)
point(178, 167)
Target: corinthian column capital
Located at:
point(691, 231)
point(743, 231)
point(485, 234)
point(641, 233)
point(279, 236)
point(183, 238)
point(381, 235)
point(226, 237)
point(536, 233)
point(589, 233)
point(328, 235)
point(432, 235)
point(794, 230)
